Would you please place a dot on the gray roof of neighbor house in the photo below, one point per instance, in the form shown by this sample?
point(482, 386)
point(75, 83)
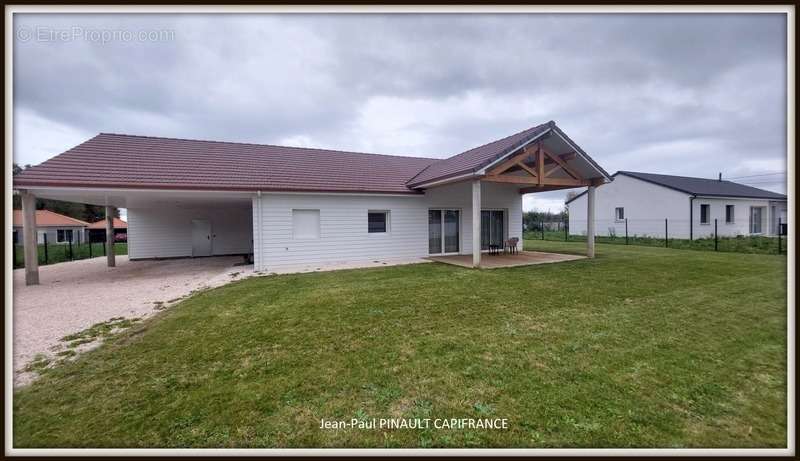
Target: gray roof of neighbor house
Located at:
point(701, 186)
point(126, 161)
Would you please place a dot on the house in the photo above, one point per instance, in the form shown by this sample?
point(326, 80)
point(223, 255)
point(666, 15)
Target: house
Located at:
point(690, 206)
point(96, 231)
point(291, 206)
point(54, 227)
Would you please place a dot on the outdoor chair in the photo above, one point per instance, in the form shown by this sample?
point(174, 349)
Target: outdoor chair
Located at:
point(510, 245)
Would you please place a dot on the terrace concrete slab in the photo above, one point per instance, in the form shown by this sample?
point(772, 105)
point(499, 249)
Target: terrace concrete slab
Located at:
point(523, 258)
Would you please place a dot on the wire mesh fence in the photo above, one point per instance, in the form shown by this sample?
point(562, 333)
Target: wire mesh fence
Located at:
point(51, 253)
point(749, 237)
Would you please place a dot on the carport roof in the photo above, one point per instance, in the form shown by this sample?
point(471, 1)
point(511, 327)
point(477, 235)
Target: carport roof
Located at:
point(118, 161)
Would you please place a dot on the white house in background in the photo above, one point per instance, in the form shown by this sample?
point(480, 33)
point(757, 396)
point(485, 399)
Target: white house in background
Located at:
point(690, 207)
point(56, 228)
point(294, 206)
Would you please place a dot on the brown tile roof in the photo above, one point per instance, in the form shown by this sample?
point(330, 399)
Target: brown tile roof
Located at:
point(118, 224)
point(123, 161)
point(477, 158)
point(47, 218)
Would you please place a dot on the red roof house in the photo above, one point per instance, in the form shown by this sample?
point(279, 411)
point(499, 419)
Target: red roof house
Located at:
point(296, 206)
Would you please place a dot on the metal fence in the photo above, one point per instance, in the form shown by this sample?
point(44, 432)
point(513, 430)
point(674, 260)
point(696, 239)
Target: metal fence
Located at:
point(714, 235)
point(50, 253)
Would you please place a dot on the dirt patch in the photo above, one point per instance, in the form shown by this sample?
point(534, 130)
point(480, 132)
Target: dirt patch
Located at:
point(86, 301)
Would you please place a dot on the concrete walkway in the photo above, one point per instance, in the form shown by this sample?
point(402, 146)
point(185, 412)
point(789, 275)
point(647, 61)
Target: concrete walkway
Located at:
point(73, 296)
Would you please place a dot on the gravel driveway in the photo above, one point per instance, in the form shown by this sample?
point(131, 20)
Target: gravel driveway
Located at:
point(75, 295)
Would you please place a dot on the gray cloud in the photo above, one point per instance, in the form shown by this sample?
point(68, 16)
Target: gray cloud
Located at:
point(676, 94)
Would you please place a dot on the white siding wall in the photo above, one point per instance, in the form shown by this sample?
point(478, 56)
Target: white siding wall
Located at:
point(741, 224)
point(647, 205)
point(52, 235)
point(167, 231)
point(343, 224)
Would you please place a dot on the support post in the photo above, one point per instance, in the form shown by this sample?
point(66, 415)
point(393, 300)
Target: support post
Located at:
point(46, 257)
point(31, 247)
point(110, 260)
point(590, 221)
point(626, 231)
point(779, 235)
point(476, 223)
point(566, 229)
point(666, 232)
point(716, 237)
point(542, 224)
point(71, 255)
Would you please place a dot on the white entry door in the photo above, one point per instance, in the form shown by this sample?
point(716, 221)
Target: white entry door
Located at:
point(201, 237)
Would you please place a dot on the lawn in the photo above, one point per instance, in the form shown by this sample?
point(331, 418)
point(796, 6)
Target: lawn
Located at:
point(641, 347)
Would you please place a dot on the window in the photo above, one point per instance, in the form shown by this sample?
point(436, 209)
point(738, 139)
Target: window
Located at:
point(705, 213)
point(63, 235)
point(729, 214)
point(305, 224)
point(378, 222)
point(619, 213)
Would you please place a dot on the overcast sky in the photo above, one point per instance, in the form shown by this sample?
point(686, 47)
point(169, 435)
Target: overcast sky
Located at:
point(676, 94)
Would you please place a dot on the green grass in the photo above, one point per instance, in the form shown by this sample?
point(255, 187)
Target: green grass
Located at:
point(640, 347)
point(59, 253)
point(740, 244)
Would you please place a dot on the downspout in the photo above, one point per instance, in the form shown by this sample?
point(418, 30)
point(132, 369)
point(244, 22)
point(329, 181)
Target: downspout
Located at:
point(691, 215)
point(257, 227)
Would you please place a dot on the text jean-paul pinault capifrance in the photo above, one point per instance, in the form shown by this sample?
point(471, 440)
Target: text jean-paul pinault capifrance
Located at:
point(415, 423)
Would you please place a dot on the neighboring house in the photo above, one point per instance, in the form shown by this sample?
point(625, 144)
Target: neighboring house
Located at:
point(294, 206)
point(96, 232)
point(690, 206)
point(57, 227)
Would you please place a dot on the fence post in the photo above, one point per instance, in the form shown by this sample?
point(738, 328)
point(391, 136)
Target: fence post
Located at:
point(104, 249)
point(14, 251)
point(716, 239)
point(626, 231)
point(666, 232)
point(779, 235)
point(566, 230)
point(71, 256)
point(542, 224)
point(45, 247)
point(90, 247)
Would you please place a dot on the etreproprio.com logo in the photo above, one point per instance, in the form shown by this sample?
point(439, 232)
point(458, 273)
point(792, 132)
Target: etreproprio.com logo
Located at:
point(72, 34)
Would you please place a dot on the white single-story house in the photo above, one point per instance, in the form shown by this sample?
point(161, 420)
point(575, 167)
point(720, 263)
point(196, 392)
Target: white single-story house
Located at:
point(54, 227)
point(682, 207)
point(290, 206)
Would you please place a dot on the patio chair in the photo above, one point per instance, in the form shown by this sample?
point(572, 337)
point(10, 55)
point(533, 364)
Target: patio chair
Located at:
point(510, 245)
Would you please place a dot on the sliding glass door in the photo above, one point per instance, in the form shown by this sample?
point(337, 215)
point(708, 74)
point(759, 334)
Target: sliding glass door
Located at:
point(492, 228)
point(444, 231)
point(756, 220)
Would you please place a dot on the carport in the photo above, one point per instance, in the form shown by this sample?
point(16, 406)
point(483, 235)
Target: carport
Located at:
point(162, 223)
